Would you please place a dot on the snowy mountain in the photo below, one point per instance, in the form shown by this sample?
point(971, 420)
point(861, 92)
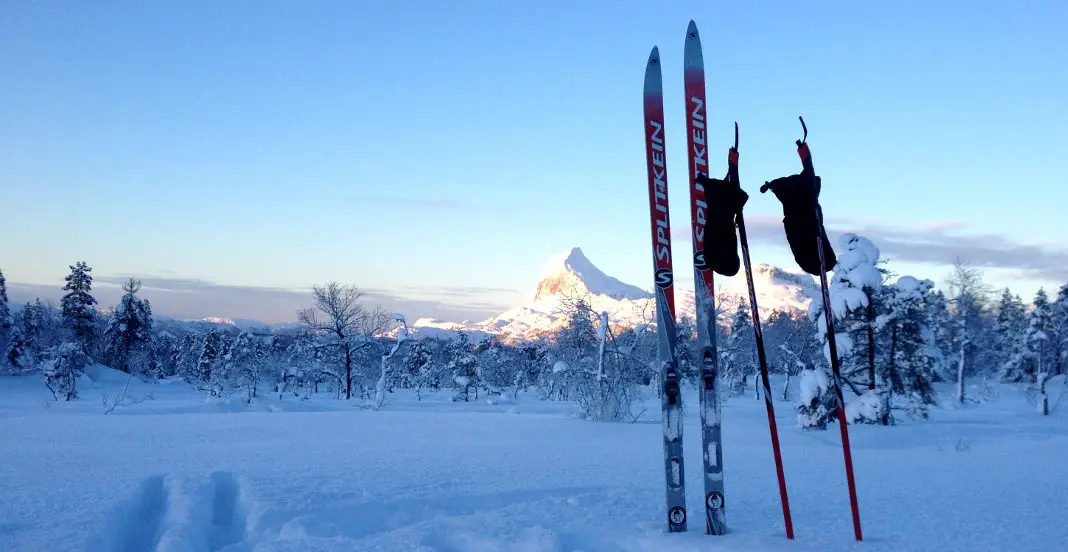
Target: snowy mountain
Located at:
point(243, 324)
point(571, 274)
point(572, 271)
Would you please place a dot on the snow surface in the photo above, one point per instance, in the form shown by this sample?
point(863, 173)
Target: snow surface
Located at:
point(179, 472)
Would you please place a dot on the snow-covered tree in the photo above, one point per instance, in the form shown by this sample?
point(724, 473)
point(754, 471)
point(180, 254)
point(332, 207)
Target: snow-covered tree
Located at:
point(940, 321)
point(37, 329)
point(16, 352)
point(242, 364)
point(380, 386)
point(1037, 348)
point(854, 289)
point(343, 325)
point(165, 354)
point(418, 368)
point(737, 352)
point(968, 300)
point(188, 357)
point(64, 364)
point(817, 401)
point(791, 343)
point(209, 362)
point(1034, 355)
point(6, 321)
point(912, 354)
point(1009, 328)
point(463, 366)
point(1060, 330)
point(78, 306)
point(128, 337)
point(686, 349)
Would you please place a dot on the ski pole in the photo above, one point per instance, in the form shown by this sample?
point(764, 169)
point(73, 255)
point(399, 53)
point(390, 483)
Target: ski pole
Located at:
point(806, 162)
point(732, 175)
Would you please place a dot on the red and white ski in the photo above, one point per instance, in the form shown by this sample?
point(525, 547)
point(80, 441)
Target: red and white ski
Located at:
point(663, 280)
point(705, 299)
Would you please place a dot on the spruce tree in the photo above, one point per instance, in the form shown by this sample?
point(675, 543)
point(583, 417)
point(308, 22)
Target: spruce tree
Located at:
point(208, 360)
point(79, 306)
point(1008, 332)
point(6, 322)
point(15, 352)
point(5, 311)
point(1060, 330)
point(854, 291)
point(912, 364)
point(941, 325)
point(464, 365)
point(128, 337)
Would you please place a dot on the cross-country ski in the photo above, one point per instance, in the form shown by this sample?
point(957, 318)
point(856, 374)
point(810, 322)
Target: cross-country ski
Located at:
point(704, 286)
point(663, 280)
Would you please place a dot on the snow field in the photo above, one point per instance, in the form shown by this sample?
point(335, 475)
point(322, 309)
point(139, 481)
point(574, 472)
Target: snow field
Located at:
point(181, 473)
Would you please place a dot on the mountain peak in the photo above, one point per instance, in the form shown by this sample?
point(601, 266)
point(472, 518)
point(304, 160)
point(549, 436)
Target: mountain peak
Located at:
point(571, 270)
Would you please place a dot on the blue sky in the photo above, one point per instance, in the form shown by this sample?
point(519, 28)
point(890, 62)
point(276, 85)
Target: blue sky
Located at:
point(441, 151)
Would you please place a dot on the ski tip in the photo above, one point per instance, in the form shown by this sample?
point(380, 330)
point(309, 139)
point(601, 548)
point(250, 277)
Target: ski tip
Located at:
point(693, 59)
point(654, 56)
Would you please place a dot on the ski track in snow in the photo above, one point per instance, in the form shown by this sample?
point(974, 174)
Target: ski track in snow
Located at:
point(179, 473)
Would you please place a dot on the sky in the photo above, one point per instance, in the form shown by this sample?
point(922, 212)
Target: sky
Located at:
point(436, 153)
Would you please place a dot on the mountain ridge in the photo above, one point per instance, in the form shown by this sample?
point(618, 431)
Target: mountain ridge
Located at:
point(570, 274)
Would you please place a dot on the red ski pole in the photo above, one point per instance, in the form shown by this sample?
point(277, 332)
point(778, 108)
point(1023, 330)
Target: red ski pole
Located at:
point(732, 174)
point(806, 161)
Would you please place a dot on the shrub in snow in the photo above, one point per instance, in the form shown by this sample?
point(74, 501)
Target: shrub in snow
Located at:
point(817, 400)
point(64, 364)
point(872, 407)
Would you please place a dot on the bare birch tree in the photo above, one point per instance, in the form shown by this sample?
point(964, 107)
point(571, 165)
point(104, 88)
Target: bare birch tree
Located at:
point(342, 324)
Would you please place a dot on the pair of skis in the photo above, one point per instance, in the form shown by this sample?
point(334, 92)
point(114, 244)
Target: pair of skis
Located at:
point(671, 402)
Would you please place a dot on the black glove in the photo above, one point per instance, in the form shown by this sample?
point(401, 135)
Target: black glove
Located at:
point(799, 194)
point(725, 200)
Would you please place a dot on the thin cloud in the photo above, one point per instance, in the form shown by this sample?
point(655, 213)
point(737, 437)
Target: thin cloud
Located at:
point(190, 298)
point(399, 202)
point(938, 243)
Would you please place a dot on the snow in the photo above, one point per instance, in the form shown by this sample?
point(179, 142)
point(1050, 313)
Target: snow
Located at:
point(813, 383)
point(180, 472)
point(864, 407)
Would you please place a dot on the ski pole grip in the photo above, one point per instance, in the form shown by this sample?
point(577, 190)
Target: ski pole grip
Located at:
point(802, 147)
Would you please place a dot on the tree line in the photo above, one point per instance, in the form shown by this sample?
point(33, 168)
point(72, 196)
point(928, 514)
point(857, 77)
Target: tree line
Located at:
point(897, 336)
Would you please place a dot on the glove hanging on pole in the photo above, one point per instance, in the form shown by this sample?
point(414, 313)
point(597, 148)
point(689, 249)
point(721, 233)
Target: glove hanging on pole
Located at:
point(725, 199)
point(802, 214)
